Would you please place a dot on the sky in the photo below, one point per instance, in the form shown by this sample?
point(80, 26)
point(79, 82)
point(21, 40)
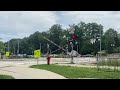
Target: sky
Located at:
point(20, 24)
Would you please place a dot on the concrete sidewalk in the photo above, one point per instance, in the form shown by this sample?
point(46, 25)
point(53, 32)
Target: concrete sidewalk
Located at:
point(24, 72)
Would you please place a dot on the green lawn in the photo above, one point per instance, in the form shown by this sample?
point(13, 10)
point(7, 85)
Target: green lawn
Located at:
point(6, 77)
point(79, 72)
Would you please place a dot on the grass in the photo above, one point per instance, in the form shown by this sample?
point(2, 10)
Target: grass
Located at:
point(6, 77)
point(79, 72)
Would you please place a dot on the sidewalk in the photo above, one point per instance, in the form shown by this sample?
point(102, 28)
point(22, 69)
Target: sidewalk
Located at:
point(24, 72)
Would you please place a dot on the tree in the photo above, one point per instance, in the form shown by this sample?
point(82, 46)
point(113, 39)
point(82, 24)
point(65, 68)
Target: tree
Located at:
point(111, 40)
point(56, 35)
point(84, 33)
point(80, 32)
point(2, 47)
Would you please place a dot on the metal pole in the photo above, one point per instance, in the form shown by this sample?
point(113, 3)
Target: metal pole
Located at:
point(4, 49)
point(77, 48)
point(14, 50)
point(18, 46)
point(37, 61)
point(47, 48)
point(47, 51)
point(67, 47)
point(77, 45)
point(50, 51)
point(72, 55)
point(100, 44)
point(100, 52)
point(72, 46)
point(8, 46)
point(40, 46)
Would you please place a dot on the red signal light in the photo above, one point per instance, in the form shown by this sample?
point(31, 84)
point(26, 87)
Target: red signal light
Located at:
point(73, 36)
point(68, 42)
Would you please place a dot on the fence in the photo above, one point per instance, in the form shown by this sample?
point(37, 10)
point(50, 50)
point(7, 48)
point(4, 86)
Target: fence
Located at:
point(109, 63)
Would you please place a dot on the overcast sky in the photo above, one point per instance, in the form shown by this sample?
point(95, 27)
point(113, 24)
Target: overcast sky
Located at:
point(19, 24)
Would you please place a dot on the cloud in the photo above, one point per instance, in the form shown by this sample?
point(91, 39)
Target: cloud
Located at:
point(109, 19)
point(17, 23)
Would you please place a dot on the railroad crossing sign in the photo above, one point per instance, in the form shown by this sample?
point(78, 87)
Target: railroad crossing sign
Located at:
point(71, 29)
point(7, 54)
point(37, 53)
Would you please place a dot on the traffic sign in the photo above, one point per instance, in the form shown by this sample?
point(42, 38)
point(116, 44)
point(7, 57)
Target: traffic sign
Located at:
point(37, 53)
point(7, 54)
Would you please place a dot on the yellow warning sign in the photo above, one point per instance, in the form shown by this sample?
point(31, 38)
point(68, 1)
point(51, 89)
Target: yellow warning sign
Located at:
point(7, 54)
point(37, 53)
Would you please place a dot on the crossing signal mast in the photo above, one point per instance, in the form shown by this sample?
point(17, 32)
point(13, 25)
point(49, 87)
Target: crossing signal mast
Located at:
point(73, 36)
